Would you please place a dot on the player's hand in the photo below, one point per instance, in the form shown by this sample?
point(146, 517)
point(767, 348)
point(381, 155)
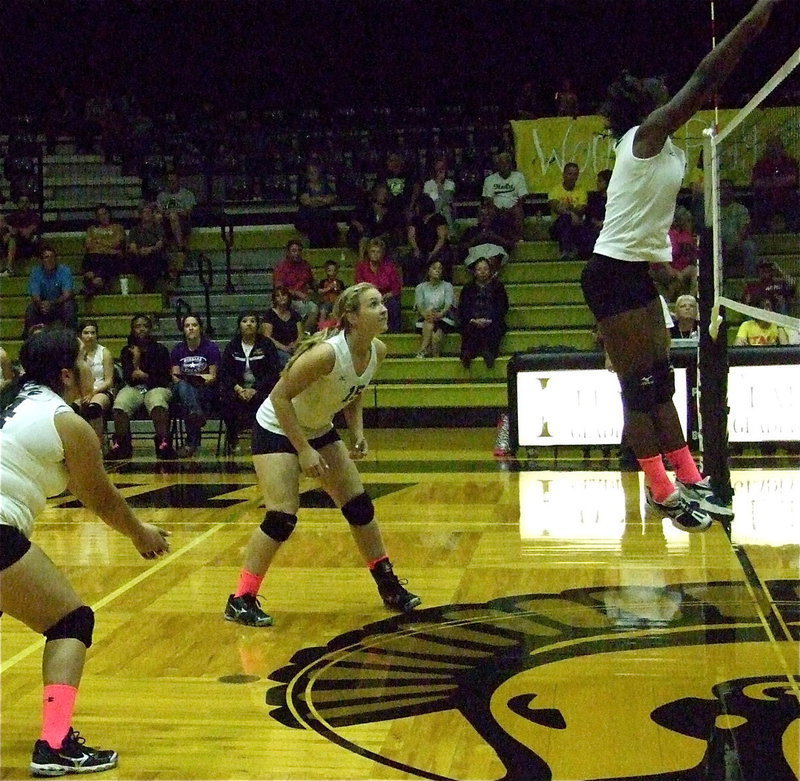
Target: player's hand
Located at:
point(312, 463)
point(359, 449)
point(151, 541)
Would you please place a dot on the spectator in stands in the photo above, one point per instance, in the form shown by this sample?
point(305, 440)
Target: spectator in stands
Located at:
point(760, 333)
point(566, 100)
point(772, 283)
point(282, 325)
point(442, 190)
point(382, 272)
point(147, 381)
point(95, 406)
point(373, 220)
point(494, 253)
point(294, 273)
point(195, 363)
point(434, 302)
point(505, 190)
point(328, 290)
point(175, 203)
point(738, 249)
point(52, 293)
point(774, 183)
point(680, 275)
point(686, 323)
point(146, 248)
point(526, 105)
point(594, 215)
point(315, 217)
point(484, 232)
point(403, 191)
point(249, 369)
point(23, 226)
point(429, 239)
point(482, 310)
point(567, 205)
point(105, 251)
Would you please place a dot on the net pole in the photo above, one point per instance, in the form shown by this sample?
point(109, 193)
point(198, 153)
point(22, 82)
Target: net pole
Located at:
point(713, 15)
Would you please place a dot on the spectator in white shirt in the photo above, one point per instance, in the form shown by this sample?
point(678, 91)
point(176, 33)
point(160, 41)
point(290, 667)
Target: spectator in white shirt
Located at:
point(506, 190)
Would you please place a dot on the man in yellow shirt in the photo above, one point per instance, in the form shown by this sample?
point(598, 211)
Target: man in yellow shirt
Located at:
point(567, 205)
point(760, 333)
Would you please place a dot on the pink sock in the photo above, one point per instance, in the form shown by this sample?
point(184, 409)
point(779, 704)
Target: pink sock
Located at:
point(685, 467)
point(248, 583)
point(373, 564)
point(655, 476)
point(58, 705)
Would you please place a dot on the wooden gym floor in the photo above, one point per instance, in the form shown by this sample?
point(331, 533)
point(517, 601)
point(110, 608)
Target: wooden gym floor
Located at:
point(564, 633)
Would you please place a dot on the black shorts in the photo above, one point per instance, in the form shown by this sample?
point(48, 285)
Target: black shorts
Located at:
point(265, 442)
point(13, 545)
point(612, 286)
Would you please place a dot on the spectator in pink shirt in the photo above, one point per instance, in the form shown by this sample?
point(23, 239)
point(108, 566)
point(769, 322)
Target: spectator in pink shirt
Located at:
point(295, 274)
point(382, 272)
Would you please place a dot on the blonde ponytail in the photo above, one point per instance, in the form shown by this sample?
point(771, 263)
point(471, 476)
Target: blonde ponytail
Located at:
point(348, 301)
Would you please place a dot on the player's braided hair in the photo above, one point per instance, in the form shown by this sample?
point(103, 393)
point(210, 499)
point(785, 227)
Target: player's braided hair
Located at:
point(348, 301)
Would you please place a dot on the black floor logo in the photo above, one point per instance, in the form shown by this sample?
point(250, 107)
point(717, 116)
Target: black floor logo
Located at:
point(562, 686)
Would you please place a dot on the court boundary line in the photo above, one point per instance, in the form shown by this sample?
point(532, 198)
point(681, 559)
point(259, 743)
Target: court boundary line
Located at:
point(125, 587)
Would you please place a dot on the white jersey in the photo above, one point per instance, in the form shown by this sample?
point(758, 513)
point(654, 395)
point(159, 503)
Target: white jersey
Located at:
point(641, 203)
point(316, 405)
point(31, 456)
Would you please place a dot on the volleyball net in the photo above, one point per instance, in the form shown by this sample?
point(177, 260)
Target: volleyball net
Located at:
point(749, 272)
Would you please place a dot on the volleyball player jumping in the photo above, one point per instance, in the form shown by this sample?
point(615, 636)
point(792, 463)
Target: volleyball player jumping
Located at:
point(647, 175)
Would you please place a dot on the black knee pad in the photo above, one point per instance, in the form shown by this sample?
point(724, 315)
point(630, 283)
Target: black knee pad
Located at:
point(78, 625)
point(664, 377)
point(278, 526)
point(93, 411)
point(359, 511)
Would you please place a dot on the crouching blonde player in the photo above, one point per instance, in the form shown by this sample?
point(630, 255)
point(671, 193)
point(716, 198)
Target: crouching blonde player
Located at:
point(46, 447)
point(294, 435)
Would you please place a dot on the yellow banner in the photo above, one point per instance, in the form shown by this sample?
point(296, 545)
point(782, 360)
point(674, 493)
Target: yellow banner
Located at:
point(544, 146)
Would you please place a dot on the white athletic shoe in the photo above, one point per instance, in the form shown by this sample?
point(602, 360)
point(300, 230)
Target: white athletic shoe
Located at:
point(685, 515)
point(704, 496)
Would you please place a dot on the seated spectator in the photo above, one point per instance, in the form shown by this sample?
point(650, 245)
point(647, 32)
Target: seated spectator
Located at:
point(329, 289)
point(686, 323)
point(146, 248)
point(494, 253)
point(381, 271)
point(94, 406)
point(738, 250)
point(403, 191)
point(52, 293)
point(247, 373)
point(774, 284)
point(429, 239)
point(294, 273)
point(680, 275)
point(567, 205)
point(373, 220)
point(774, 184)
point(105, 251)
point(442, 190)
point(434, 302)
point(146, 381)
point(314, 215)
point(195, 363)
point(282, 325)
point(484, 232)
point(175, 204)
point(506, 190)
point(23, 235)
point(482, 310)
point(760, 333)
point(594, 215)
point(566, 100)
point(526, 105)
